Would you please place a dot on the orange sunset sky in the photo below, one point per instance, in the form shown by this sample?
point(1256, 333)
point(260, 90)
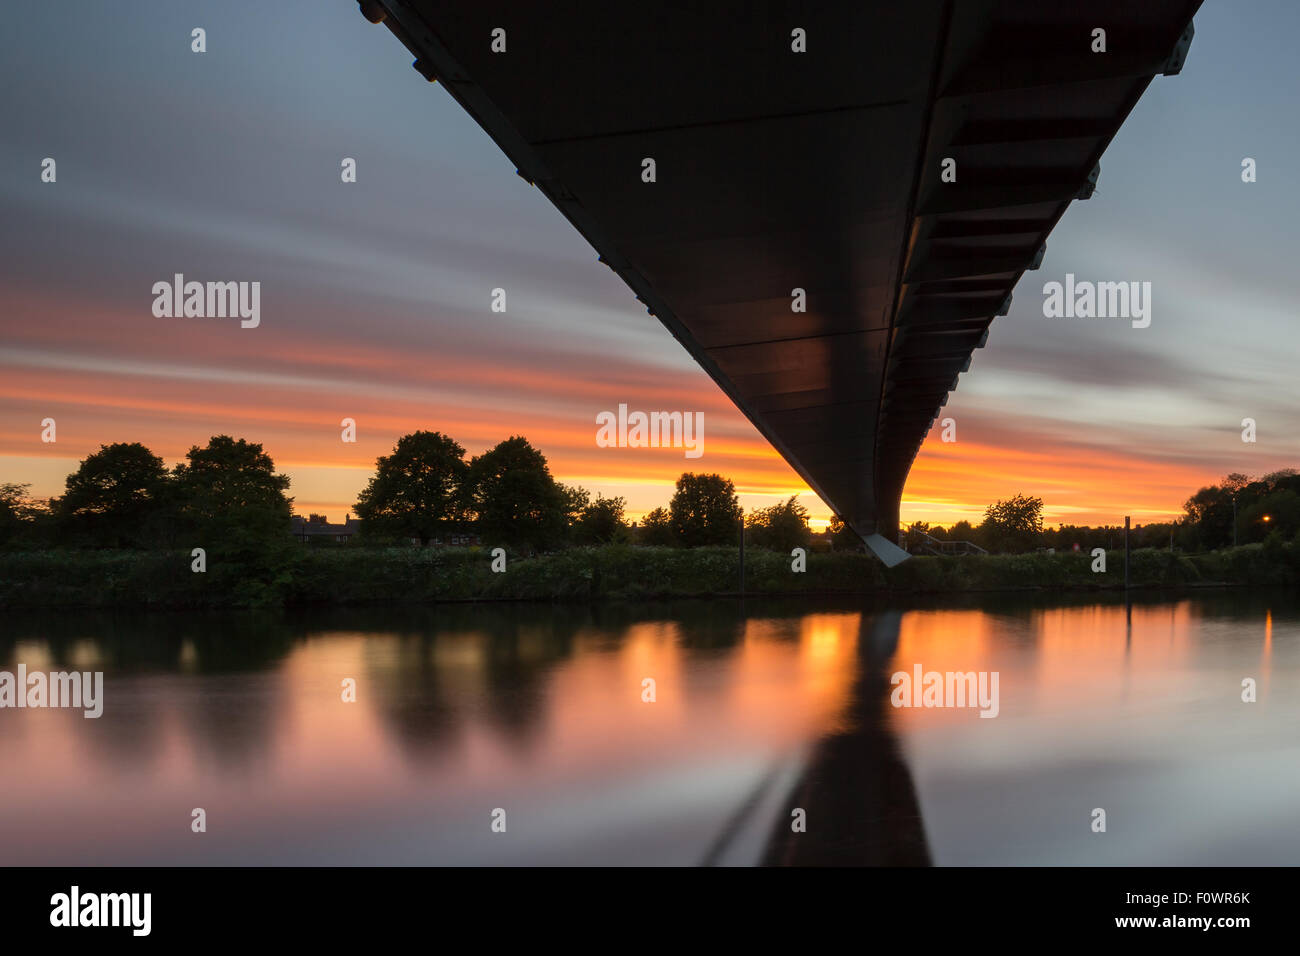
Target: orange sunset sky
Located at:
point(375, 295)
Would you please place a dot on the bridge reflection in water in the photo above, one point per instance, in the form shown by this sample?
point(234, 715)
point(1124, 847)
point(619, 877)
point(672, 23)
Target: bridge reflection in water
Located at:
point(857, 791)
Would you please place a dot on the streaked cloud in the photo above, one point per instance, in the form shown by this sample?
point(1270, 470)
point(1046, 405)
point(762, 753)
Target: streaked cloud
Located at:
point(375, 295)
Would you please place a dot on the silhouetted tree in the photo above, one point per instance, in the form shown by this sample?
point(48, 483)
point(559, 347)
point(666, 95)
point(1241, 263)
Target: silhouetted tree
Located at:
point(1262, 506)
point(1276, 513)
point(601, 521)
point(1015, 524)
point(574, 501)
point(233, 505)
point(116, 497)
point(962, 531)
point(419, 491)
point(233, 482)
point(779, 527)
point(656, 529)
point(514, 499)
point(704, 510)
point(19, 515)
point(1209, 511)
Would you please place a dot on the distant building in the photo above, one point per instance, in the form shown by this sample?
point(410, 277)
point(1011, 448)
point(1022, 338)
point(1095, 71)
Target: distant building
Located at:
point(316, 528)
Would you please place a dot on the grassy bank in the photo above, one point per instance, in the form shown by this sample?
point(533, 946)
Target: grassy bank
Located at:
point(108, 579)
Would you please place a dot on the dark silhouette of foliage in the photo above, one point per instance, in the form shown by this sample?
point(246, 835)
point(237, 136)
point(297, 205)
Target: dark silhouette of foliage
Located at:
point(116, 497)
point(779, 527)
point(1263, 506)
point(233, 505)
point(843, 538)
point(23, 521)
point(657, 529)
point(601, 521)
point(1014, 524)
point(514, 499)
point(704, 510)
point(419, 491)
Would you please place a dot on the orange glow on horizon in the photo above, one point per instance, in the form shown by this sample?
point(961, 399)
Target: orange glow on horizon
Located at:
point(300, 432)
point(104, 380)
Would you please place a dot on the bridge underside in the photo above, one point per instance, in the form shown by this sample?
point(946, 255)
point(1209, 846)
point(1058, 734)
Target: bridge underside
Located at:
point(819, 171)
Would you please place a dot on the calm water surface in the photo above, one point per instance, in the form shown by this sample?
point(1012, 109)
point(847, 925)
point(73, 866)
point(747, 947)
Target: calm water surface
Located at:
point(538, 711)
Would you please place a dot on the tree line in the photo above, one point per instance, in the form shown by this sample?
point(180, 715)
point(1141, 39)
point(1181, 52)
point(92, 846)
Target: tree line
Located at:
point(426, 491)
point(124, 496)
point(228, 495)
point(1238, 510)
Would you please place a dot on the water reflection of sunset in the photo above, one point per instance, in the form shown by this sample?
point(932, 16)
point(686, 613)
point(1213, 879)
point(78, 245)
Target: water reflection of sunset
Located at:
point(540, 711)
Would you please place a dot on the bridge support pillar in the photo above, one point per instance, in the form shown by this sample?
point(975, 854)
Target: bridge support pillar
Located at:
point(885, 549)
point(881, 536)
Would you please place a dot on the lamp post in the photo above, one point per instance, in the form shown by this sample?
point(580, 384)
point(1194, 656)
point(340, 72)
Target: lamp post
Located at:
point(1234, 519)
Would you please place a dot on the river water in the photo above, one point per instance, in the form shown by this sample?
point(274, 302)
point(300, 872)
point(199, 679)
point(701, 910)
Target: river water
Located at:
point(523, 734)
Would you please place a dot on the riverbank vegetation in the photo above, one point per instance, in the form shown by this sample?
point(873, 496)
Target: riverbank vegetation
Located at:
point(347, 575)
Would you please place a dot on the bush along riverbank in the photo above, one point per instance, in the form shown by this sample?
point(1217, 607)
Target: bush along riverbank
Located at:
point(355, 575)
